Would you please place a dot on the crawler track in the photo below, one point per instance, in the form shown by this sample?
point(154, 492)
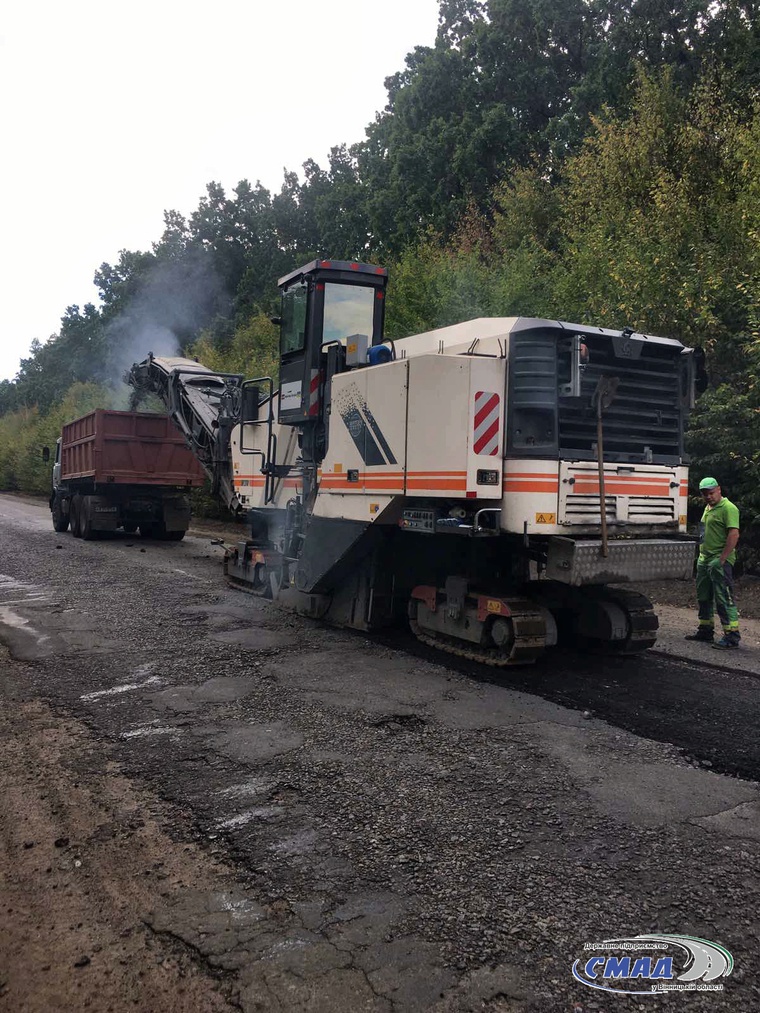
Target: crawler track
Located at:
point(642, 620)
point(529, 644)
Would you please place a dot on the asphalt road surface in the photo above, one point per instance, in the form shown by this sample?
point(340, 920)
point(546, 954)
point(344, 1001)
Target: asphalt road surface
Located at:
point(212, 804)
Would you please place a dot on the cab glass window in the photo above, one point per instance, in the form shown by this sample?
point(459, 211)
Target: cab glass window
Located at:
point(293, 327)
point(349, 310)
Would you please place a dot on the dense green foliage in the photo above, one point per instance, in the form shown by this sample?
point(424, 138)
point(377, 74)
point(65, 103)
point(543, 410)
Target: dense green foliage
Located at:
point(24, 432)
point(592, 160)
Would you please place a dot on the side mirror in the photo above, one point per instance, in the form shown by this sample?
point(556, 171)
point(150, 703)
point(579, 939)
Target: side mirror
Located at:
point(249, 405)
point(46, 454)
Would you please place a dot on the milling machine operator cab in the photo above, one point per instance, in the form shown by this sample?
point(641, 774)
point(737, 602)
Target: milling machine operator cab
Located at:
point(332, 314)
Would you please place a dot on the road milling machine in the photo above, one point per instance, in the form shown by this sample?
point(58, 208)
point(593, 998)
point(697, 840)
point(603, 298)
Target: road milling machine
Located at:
point(494, 481)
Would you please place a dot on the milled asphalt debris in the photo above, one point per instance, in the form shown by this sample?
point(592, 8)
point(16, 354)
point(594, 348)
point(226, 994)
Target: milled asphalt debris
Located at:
point(384, 829)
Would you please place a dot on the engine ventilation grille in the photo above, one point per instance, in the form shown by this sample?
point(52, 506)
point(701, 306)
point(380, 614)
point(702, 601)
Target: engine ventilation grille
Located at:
point(644, 420)
point(581, 508)
point(651, 508)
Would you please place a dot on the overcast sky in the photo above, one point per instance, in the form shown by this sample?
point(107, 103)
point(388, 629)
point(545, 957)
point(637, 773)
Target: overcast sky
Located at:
point(111, 113)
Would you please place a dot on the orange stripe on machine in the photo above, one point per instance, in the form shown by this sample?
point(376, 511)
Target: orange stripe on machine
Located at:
point(438, 474)
point(258, 482)
point(621, 489)
point(530, 474)
point(438, 484)
point(367, 481)
point(585, 476)
point(360, 486)
point(523, 485)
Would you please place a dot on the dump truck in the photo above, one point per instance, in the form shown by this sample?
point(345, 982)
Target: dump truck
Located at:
point(494, 482)
point(126, 470)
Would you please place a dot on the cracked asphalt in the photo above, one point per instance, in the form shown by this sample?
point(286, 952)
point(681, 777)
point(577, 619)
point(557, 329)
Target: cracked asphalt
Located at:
point(277, 815)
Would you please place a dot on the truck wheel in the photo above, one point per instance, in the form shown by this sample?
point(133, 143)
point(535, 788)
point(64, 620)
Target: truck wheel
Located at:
point(147, 531)
point(173, 536)
point(60, 519)
point(86, 529)
point(130, 527)
point(75, 514)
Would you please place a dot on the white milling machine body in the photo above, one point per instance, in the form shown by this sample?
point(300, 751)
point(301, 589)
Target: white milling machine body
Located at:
point(494, 480)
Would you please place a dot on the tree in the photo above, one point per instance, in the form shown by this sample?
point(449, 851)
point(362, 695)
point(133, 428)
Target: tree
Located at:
point(512, 81)
point(252, 349)
point(423, 154)
point(119, 282)
point(653, 224)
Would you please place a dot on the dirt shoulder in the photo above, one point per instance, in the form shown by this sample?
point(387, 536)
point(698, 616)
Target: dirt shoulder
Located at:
point(82, 859)
point(682, 594)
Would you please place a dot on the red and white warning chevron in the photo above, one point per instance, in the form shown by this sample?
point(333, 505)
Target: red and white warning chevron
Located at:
point(486, 425)
point(314, 393)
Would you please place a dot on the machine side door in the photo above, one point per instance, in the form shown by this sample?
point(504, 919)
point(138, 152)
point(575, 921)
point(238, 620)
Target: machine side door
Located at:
point(294, 354)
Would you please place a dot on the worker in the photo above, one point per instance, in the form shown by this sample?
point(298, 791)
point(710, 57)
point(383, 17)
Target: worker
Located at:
point(715, 579)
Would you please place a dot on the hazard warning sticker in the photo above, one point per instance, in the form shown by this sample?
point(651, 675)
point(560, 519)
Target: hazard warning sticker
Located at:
point(486, 423)
point(546, 518)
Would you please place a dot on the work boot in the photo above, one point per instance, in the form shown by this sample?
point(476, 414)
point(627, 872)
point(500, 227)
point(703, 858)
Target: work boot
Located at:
point(705, 633)
point(729, 641)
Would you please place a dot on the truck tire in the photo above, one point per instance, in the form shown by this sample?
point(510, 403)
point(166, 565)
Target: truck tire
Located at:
point(147, 531)
point(60, 519)
point(86, 530)
point(75, 514)
point(173, 536)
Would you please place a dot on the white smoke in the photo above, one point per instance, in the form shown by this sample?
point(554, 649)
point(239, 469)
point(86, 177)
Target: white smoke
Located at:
point(174, 302)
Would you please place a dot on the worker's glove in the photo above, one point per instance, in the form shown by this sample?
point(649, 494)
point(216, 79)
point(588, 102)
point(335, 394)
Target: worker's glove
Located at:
point(715, 564)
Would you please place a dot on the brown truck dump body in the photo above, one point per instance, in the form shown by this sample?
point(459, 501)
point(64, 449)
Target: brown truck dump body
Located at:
point(130, 448)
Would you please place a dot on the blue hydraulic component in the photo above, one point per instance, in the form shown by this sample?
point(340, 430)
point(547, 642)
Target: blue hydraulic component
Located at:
point(378, 354)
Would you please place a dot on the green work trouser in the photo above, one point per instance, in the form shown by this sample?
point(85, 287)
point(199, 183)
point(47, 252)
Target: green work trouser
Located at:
point(715, 590)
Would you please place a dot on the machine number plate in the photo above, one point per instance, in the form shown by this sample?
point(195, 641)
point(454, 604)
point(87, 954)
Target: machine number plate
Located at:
point(418, 520)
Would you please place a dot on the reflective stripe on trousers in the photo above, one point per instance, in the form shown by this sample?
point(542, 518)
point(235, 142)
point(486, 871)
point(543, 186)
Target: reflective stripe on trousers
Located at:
point(715, 590)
